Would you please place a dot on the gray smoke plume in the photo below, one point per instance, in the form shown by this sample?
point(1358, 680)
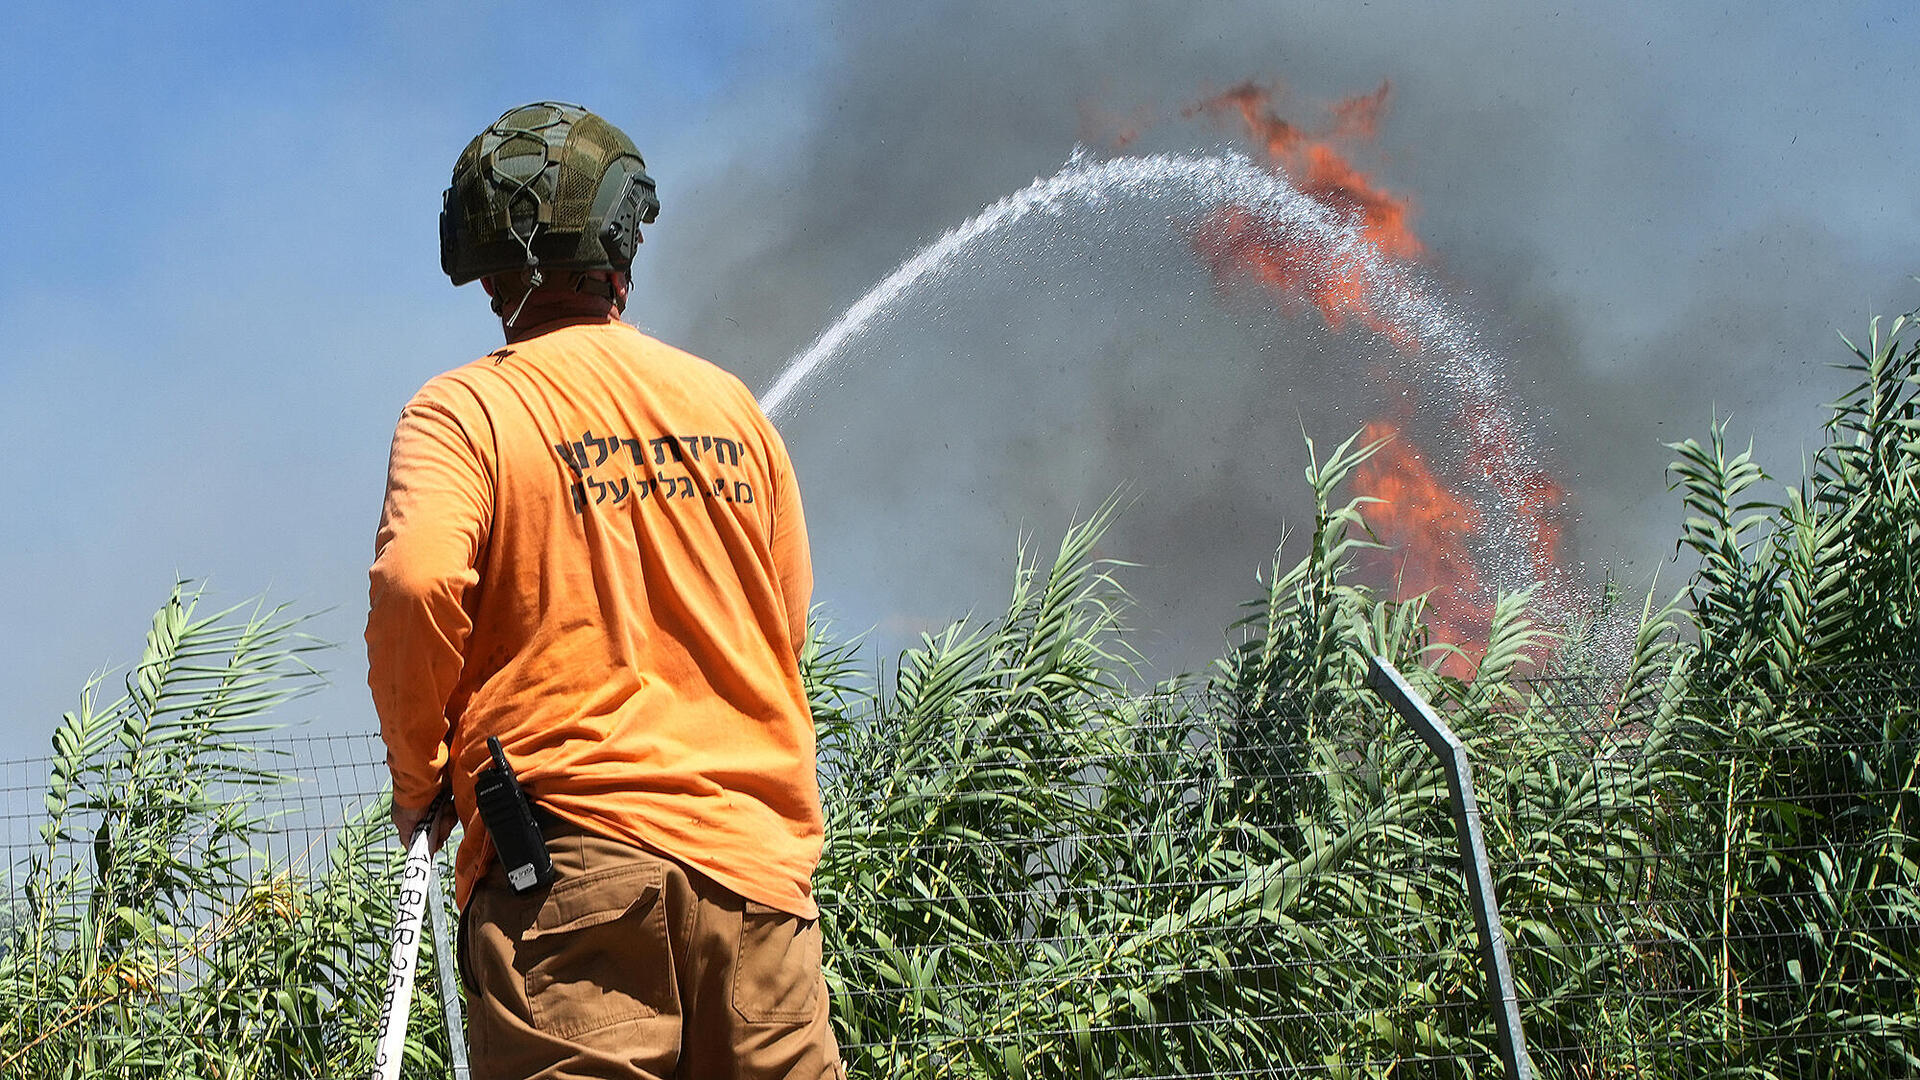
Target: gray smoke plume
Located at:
point(1649, 231)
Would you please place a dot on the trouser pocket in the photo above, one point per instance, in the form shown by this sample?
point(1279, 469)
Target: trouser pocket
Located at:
point(776, 976)
point(597, 953)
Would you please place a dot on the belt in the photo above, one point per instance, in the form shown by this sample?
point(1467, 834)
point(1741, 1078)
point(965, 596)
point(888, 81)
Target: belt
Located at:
point(550, 822)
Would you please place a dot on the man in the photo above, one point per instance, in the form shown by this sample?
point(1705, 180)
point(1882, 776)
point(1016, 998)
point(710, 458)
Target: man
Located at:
point(592, 548)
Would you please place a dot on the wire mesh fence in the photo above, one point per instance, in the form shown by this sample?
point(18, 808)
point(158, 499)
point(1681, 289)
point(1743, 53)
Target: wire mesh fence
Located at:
point(1693, 884)
point(188, 925)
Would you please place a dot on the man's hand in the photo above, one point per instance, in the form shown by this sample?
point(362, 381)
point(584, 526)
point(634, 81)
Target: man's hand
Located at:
point(408, 818)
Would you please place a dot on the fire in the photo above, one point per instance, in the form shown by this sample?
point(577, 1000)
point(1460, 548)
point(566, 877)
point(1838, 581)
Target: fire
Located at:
point(1425, 523)
point(1425, 529)
point(1239, 244)
point(1319, 167)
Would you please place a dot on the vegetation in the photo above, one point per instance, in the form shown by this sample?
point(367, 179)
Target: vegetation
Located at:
point(1705, 856)
point(153, 936)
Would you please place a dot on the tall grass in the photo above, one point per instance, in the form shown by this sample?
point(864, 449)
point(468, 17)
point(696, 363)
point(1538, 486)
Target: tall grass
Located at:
point(156, 935)
point(1705, 857)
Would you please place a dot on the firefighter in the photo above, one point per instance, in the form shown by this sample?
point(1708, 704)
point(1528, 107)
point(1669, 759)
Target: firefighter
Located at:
point(592, 549)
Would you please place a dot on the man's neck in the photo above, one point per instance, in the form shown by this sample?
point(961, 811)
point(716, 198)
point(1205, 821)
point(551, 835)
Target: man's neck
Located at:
point(546, 306)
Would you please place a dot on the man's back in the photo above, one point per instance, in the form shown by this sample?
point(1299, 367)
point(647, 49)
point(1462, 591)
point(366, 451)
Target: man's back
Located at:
point(594, 542)
point(592, 548)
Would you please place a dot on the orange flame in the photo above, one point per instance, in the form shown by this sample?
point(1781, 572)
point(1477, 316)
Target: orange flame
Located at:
point(1319, 169)
point(1423, 522)
point(1237, 243)
point(1285, 260)
point(1425, 527)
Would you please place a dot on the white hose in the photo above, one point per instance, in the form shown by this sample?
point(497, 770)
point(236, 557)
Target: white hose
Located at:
point(416, 891)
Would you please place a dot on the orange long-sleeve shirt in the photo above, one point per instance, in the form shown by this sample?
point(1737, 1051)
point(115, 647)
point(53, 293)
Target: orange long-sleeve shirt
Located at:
point(592, 547)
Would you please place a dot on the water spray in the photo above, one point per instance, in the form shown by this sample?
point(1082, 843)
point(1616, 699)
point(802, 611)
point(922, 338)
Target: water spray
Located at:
point(1440, 344)
point(1199, 180)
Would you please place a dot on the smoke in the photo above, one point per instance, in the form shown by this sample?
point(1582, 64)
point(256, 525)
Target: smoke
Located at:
point(1650, 237)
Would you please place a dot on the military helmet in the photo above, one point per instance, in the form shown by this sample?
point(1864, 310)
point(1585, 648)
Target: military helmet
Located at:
point(548, 186)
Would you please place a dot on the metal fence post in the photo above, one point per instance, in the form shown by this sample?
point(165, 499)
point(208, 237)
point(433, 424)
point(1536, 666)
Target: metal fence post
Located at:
point(449, 977)
point(1384, 680)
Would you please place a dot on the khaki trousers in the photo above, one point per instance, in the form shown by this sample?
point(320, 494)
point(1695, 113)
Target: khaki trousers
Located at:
point(634, 967)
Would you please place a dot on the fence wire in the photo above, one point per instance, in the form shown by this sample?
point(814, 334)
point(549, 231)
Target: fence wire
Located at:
point(165, 927)
point(1712, 884)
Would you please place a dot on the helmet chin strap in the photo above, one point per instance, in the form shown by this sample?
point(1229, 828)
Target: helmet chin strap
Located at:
point(534, 281)
point(534, 277)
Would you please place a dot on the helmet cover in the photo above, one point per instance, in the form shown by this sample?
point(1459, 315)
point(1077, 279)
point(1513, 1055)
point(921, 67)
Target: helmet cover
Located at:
point(548, 186)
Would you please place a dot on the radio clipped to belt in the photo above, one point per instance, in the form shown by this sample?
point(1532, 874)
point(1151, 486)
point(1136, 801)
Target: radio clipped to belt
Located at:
point(510, 823)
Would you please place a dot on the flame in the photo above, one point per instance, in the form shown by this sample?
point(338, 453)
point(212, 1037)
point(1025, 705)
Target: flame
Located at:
point(1317, 165)
point(1287, 261)
point(1425, 528)
point(1425, 523)
point(1238, 244)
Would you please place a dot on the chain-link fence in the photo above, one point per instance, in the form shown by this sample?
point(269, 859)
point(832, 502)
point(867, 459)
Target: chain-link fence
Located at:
point(1693, 884)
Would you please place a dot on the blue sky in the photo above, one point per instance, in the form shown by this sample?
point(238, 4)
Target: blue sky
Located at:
point(219, 281)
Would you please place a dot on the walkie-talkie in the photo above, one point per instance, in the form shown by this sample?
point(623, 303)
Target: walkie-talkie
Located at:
point(509, 820)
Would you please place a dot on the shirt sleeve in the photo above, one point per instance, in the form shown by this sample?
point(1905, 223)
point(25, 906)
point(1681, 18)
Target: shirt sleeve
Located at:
point(793, 559)
point(433, 532)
